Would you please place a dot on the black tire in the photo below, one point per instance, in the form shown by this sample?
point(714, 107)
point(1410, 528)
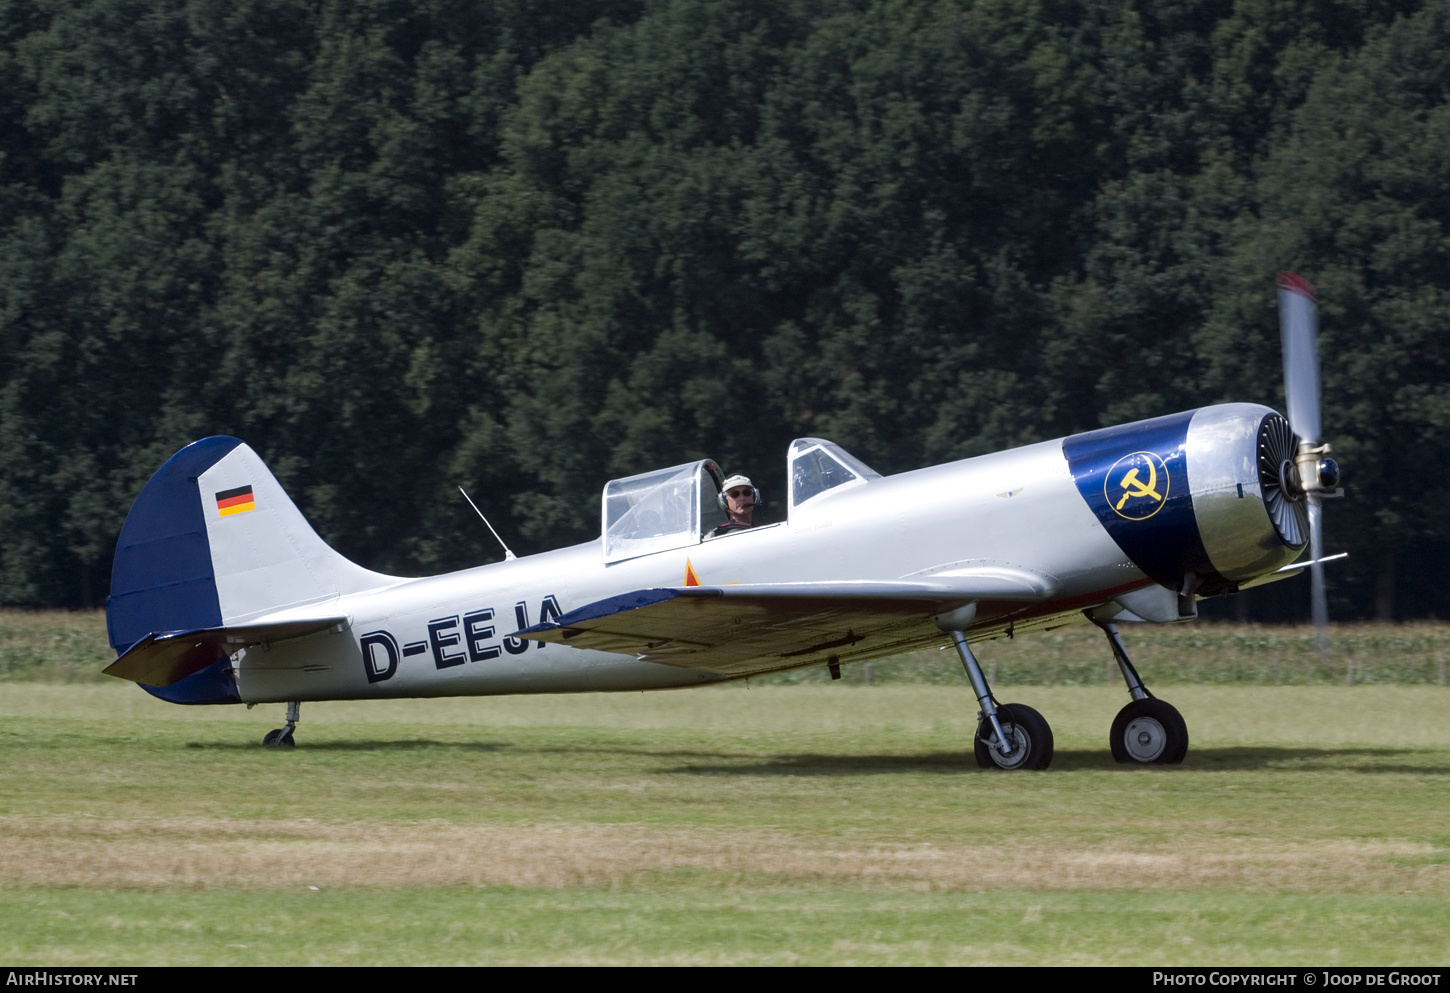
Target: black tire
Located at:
point(1149, 732)
point(279, 738)
point(1027, 729)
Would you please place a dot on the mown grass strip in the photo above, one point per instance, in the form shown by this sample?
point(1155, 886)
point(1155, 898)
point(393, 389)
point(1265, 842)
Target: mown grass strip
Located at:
point(734, 825)
point(690, 919)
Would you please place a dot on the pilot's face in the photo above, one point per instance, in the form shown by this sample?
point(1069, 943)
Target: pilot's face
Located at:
point(740, 500)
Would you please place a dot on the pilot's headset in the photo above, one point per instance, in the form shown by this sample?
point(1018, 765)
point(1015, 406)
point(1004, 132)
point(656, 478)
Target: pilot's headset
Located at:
point(730, 484)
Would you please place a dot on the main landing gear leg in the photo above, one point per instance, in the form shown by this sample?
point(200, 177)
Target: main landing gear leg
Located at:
point(1148, 730)
point(282, 737)
point(1010, 736)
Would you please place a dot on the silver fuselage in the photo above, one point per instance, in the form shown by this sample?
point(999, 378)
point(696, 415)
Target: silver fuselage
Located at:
point(1018, 508)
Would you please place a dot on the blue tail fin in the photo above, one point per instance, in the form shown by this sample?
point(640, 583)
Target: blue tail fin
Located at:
point(162, 577)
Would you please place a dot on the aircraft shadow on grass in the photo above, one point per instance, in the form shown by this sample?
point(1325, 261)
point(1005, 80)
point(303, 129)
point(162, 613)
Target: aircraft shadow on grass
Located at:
point(1289, 759)
point(404, 745)
point(717, 763)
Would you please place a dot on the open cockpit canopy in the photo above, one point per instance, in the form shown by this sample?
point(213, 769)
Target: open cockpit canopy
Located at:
point(818, 466)
point(660, 510)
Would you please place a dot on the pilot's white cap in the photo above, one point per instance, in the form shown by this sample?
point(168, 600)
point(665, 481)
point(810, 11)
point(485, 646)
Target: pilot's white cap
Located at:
point(735, 481)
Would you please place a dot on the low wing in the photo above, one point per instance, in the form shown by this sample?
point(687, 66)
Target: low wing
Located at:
point(166, 657)
point(742, 630)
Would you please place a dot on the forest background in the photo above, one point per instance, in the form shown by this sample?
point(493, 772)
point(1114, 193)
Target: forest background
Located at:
point(523, 247)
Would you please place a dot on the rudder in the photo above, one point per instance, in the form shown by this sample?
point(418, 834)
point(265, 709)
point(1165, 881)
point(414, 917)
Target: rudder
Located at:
point(162, 577)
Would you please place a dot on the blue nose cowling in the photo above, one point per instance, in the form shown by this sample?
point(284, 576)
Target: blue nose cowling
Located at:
point(1135, 479)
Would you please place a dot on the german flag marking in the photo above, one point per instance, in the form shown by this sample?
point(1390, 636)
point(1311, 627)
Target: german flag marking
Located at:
point(237, 501)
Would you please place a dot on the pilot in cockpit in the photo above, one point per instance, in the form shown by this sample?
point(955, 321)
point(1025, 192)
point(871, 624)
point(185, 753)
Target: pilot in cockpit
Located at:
point(739, 497)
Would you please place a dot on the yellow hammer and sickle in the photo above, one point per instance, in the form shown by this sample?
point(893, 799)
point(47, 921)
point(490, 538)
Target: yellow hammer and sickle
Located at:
point(1133, 487)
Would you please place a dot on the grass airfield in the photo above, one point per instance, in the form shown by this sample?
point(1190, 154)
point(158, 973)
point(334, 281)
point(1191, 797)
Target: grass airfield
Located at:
point(769, 824)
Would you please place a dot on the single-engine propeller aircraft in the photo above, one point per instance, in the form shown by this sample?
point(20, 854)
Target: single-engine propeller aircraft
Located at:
point(222, 593)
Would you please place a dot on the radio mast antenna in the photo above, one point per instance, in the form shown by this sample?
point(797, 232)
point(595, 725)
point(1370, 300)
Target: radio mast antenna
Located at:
point(508, 556)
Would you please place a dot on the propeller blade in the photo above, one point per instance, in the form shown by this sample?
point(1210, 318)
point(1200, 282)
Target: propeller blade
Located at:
point(1299, 331)
point(1298, 328)
point(1318, 604)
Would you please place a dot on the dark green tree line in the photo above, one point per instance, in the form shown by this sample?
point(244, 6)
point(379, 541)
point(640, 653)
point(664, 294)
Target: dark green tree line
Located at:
point(526, 247)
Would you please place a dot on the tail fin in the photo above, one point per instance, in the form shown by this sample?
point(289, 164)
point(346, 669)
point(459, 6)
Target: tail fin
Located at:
point(214, 541)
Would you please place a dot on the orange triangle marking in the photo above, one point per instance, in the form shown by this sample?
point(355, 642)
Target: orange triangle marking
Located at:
point(690, 578)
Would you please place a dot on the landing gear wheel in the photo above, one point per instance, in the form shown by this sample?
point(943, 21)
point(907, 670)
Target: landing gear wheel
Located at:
point(1149, 732)
point(1029, 733)
point(279, 738)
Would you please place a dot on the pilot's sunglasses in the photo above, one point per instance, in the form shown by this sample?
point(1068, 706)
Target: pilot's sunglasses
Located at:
point(737, 493)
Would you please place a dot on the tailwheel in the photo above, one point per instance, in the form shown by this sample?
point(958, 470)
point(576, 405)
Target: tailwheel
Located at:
point(1028, 733)
point(1150, 732)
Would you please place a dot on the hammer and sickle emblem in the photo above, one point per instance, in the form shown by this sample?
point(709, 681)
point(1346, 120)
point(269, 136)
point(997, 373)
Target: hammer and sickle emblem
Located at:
point(1137, 499)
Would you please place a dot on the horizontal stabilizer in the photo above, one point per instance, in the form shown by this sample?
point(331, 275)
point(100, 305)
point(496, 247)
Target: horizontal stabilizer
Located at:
point(166, 657)
point(740, 630)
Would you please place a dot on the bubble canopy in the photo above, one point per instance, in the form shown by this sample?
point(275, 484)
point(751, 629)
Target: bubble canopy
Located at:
point(659, 510)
